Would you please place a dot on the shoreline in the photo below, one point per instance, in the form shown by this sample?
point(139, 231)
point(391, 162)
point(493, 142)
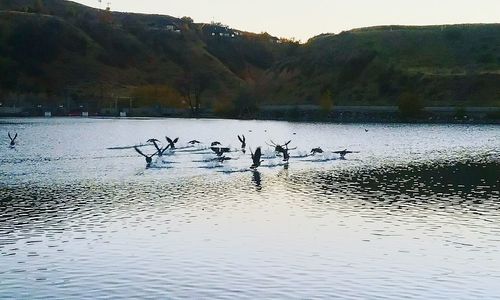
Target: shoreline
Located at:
point(290, 113)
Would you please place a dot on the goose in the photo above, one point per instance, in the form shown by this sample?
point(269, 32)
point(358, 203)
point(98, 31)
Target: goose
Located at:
point(256, 158)
point(220, 150)
point(344, 152)
point(243, 141)
point(316, 150)
point(12, 140)
point(172, 143)
point(149, 158)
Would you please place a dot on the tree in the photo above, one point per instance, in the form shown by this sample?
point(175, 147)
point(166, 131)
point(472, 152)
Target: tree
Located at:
point(410, 105)
point(191, 86)
point(326, 102)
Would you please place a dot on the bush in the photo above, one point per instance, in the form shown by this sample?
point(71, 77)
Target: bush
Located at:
point(410, 105)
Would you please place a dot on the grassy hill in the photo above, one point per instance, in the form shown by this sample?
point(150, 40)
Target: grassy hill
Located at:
point(443, 65)
point(55, 51)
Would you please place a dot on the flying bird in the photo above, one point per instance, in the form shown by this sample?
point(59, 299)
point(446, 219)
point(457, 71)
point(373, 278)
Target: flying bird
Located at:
point(215, 143)
point(344, 152)
point(243, 141)
point(12, 140)
point(220, 150)
point(316, 150)
point(192, 142)
point(256, 158)
point(149, 158)
point(172, 143)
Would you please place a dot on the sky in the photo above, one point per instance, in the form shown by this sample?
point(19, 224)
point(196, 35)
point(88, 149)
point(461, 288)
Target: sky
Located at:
point(302, 19)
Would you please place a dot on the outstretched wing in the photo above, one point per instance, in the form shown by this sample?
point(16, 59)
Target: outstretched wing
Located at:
point(176, 140)
point(15, 136)
point(286, 144)
point(164, 149)
point(244, 139)
point(156, 144)
point(256, 156)
point(239, 138)
point(139, 151)
point(9, 136)
point(169, 140)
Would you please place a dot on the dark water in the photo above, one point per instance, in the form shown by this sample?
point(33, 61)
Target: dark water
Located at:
point(414, 215)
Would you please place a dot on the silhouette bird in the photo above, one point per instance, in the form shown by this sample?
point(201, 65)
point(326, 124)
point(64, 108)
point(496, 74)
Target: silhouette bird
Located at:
point(316, 150)
point(220, 150)
point(344, 152)
point(192, 142)
point(215, 143)
point(159, 150)
point(223, 158)
point(256, 158)
point(149, 158)
point(172, 143)
point(243, 142)
point(283, 149)
point(12, 140)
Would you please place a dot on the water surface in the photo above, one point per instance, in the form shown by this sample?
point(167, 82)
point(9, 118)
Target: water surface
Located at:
point(415, 214)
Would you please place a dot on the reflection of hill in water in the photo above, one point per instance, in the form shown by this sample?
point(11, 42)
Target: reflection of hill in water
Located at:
point(463, 183)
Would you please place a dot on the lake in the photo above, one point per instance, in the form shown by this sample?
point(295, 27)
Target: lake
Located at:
point(414, 214)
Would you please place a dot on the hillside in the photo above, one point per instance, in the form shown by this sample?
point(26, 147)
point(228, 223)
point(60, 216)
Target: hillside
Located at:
point(55, 53)
point(53, 50)
point(443, 65)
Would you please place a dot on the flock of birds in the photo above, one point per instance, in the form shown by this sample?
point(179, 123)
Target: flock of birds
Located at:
point(281, 150)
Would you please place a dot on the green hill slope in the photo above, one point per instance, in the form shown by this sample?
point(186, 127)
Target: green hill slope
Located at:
point(444, 65)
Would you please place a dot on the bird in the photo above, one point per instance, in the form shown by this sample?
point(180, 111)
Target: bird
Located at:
point(149, 158)
point(344, 152)
point(215, 143)
point(223, 158)
point(256, 158)
point(283, 149)
point(220, 150)
point(12, 140)
point(243, 142)
point(160, 151)
point(172, 143)
point(316, 150)
point(366, 130)
point(192, 142)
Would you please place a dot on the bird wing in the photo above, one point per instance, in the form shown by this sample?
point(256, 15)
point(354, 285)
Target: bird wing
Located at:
point(176, 140)
point(256, 156)
point(156, 145)
point(169, 140)
point(239, 138)
point(286, 144)
point(9, 136)
point(15, 136)
point(164, 149)
point(139, 151)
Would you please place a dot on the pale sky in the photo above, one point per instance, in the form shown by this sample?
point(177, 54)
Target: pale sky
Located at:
point(304, 19)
